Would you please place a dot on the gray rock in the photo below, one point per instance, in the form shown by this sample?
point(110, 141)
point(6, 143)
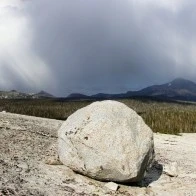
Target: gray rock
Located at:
point(112, 186)
point(106, 141)
point(171, 169)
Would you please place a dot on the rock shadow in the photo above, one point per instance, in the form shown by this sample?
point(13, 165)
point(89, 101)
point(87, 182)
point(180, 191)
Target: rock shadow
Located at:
point(153, 174)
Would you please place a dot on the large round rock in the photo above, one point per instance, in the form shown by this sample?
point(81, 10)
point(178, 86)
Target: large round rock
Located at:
point(106, 141)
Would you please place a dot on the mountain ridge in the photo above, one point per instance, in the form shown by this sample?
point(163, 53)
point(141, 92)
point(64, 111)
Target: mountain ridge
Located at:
point(179, 88)
point(13, 94)
point(43, 94)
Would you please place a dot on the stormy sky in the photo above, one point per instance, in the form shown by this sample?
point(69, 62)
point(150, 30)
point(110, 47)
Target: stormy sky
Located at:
point(90, 46)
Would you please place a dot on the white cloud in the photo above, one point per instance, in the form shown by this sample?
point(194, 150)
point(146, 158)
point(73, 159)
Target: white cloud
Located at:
point(5, 3)
point(172, 5)
point(16, 52)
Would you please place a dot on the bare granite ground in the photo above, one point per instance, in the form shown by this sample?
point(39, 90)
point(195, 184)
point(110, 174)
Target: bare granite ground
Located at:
point(29, 164)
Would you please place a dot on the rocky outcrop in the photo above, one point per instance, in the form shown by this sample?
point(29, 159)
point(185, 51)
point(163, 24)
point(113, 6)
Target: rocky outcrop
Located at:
point(106, 141)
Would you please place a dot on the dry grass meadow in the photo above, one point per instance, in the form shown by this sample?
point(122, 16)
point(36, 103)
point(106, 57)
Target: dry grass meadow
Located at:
point(163, 117)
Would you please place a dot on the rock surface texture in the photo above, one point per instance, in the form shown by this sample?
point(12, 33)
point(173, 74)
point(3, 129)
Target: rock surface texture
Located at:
point(106, 141)
point(27, 142)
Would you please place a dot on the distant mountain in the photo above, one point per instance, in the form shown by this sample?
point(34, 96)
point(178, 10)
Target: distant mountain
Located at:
point(106, 96)
point(13, 94)
point(96, 96)
point(77, 96)
point(178, 89)
point(42, 94)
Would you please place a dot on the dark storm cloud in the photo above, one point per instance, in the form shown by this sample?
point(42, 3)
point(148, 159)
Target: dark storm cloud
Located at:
point(108, 45)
